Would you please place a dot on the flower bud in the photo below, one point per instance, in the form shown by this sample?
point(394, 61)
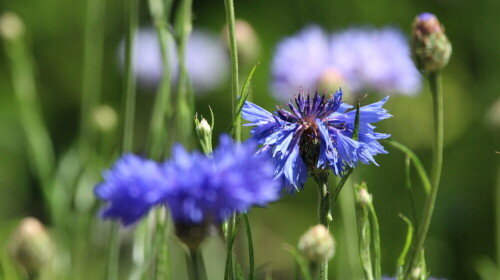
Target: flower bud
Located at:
point(105, 118)
point(430, 47)
point(30, 245)
point(363, 197)
point(317, 244)
point(247, 42)
point(191, 234)
point(203, 128)
point(11, 26)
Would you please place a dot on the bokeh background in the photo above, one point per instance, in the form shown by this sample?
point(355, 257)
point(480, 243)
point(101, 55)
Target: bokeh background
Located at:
point(462, 239)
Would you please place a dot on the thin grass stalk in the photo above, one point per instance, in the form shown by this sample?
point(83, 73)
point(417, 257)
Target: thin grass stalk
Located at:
point(437, 102)
point(229, 5)
point(92, 72)
point(162, 110)
point(38, 142)
point(184, 110)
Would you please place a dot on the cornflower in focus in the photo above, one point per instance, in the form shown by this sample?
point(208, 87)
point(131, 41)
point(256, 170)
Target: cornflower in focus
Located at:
point(316, 134)
point(357, 59)
point(198, 189)
point(206, 59)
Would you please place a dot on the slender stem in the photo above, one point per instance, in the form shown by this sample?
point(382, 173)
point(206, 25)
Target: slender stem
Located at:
point(376, 242)
point(234, 66)
point(114, 253)
point(498, 216)
point(184, 116)
point(196, 265)
point(250, 247)
point(437, 102)
point(409, 186)
point(162, 111)
point(132, 14)
point(92, 71)
point(325, 216)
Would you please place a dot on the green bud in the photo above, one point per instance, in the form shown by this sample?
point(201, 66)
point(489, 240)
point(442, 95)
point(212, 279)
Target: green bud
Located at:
point(317, 244)
point(30, 245)
point(105, 118)
point(204, 132)
point(430, 47)
point(11, 26)
point(363, 197)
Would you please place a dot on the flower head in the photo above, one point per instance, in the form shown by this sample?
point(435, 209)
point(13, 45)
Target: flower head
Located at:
point(316, 133)
point(132, 186)
point(198, 189)
point(204, 188)
point(362, 58)
point(206, 60)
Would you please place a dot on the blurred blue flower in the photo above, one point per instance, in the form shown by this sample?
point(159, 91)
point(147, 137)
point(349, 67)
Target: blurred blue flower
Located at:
point(132, 186)
point(195, 187)
point(362, 58)
point(233, 180)
point(316, 133)
point(206, 59)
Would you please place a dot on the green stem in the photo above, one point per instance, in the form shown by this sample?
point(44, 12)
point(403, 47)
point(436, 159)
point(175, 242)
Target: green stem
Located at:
point(325, 216)
point(38, 142)
point(234, 66)
point(162, 111)
point(250, 247)
point(196, 265)
point(498, 217)
point(132, 14)
point(184, 111)
point(437, 102)
point(376, 242)
point(114, 253)
point(92, 72)
point(339, 187)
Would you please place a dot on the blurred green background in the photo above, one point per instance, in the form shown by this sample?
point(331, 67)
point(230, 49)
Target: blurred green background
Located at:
point(462, 233)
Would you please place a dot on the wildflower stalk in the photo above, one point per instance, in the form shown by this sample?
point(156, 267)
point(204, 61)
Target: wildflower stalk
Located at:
point(196, 266)
point(234, 66)
point(437, 102)
point(92, 72)
point(38, 142)
point(184, 102)
point(162, 111)
point(325, 216)
point(132, 14)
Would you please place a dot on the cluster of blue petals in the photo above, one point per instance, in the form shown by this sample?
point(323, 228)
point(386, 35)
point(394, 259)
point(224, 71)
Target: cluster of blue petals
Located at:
point(366, 59)
point(196, 188)
point(326, 120)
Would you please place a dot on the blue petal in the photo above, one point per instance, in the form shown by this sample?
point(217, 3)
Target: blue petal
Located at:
point(256, 114)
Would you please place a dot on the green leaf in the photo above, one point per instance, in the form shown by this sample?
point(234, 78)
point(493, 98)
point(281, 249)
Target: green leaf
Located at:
point(243, 97)
point(409, 237)
point(416, 162)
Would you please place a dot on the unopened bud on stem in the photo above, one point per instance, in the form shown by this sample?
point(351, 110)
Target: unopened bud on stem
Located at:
point(430, 47)
point(317, 244)
point(30, 245)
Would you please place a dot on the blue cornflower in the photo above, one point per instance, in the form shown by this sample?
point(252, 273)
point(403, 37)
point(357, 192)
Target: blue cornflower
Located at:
point(315, 134)
point(358, 59)
point(207, 61)
point(132, 186)
point(198, 189)
point(213, 188)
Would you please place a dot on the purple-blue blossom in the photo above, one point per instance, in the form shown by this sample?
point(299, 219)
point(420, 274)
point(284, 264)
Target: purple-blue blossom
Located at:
point(316, 132)
point(131, 187)
point(197, 188)
point(233, 180)
point(207, 61)
point(364, 58)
